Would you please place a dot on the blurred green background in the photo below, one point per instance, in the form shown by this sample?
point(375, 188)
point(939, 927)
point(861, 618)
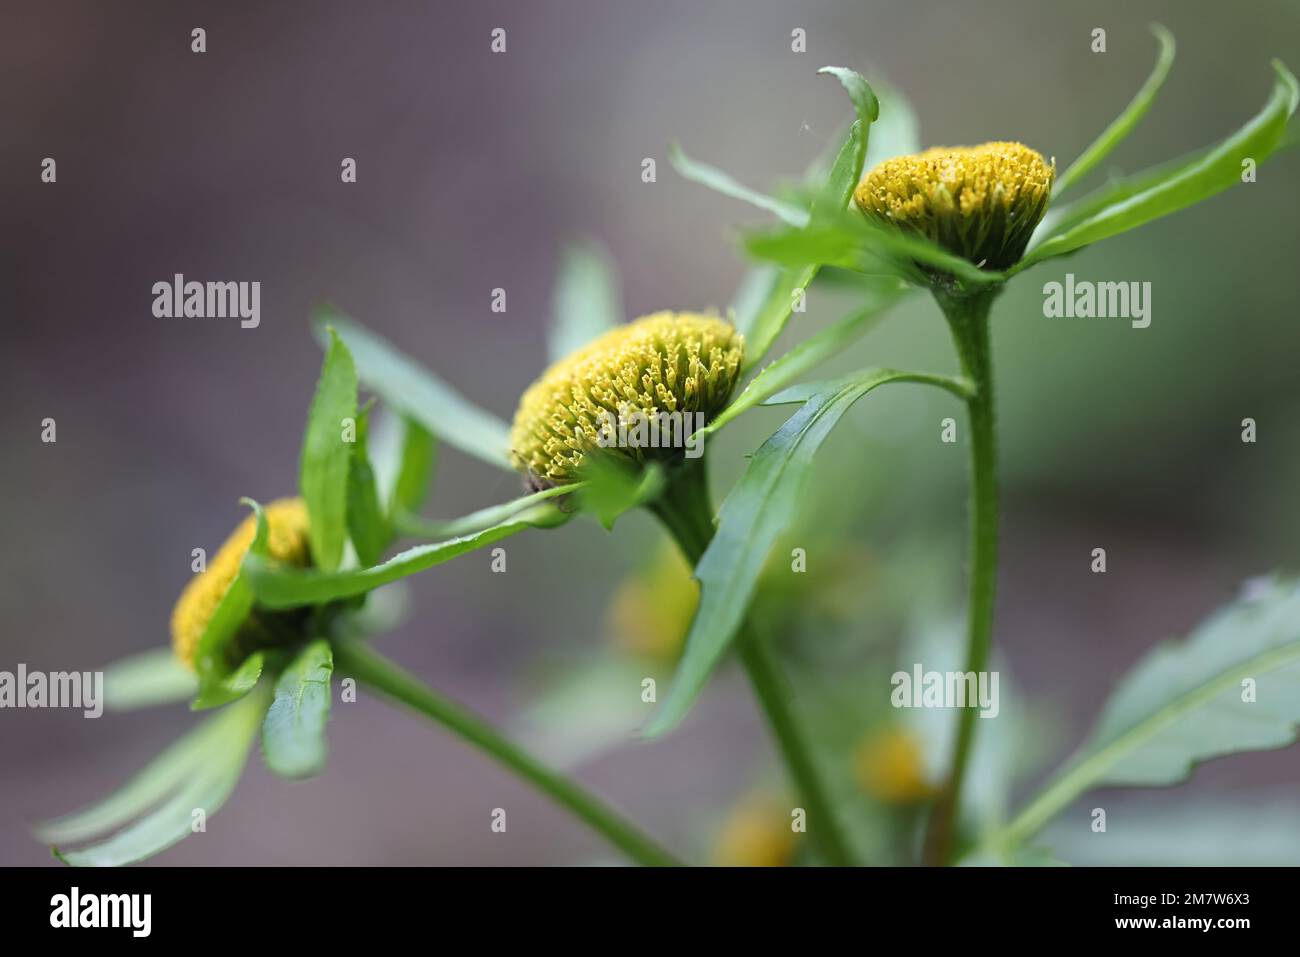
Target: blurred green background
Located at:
point(474, 172)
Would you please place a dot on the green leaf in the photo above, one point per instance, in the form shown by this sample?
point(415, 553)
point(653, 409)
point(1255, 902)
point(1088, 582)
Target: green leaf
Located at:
point(810, 353)
point(211, 658)
point(293, 734)
point(786, 286)
point(587, 299)
point(280, 586)
point(852, 241)
point(367, 524)
point(608, 488)
point(1183, 704)
point(154, 782)
point(416, 527)
point(1209, 172)
point(846, 172)
point(750, 296)
point(754, 515)
point(789, 284)
point(403, 455)
point(1248, 832)
point(148, 679)
point(407, 387)
point(1126, 122)
point(227, 687)
point(715, 179)
point(327, 454)
point(197, 773)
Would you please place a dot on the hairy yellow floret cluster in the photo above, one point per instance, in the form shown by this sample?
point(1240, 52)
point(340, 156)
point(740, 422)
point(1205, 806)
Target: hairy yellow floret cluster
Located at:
point(287, 542)
point(979, 202)
point(663, 363)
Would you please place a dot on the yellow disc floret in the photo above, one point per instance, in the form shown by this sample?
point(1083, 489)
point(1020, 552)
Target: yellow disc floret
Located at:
point(287, 542)
point(639, 390)
point(979, 202)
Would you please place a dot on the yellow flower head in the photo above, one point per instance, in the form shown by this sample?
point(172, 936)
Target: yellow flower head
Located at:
point(979, 202)
point(888, 766)
point(287, 542)
point(756, 834)
point(616, 391)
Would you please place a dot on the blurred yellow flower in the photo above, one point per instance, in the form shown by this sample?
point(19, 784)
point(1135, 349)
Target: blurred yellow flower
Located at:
point(663, 363)
point(888, 766)
point(287, 542)
point(757, 833)
point(978, 202)
point(651, 610)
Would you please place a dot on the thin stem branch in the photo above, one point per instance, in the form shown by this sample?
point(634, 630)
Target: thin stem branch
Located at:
point(392, 681)
point(685, 510)
point(968, 319)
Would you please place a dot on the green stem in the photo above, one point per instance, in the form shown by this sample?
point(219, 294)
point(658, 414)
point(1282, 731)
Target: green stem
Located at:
point(389, 679)
point(685, 510)
point(968, 320)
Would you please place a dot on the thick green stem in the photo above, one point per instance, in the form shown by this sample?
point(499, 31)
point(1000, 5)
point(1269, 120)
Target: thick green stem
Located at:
point(390, 680)
point(685, 510)
point(968, 319)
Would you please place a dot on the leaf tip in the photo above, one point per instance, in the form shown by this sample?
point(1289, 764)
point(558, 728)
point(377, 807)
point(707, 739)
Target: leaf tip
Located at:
point(1164, 35)
point(1287, 79)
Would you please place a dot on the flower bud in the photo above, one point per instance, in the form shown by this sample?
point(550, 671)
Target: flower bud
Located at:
point(287, 542)
point(978, 202)
point(616, 391)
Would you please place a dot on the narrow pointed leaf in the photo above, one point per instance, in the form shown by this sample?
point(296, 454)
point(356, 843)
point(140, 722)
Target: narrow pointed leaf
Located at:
point(787, 286)
point(406, 386)
point(414, 526)
point(810, 353)
point(204, 785)
point(715, 179)
point(587, 300)
point(846, 172)
point(160, 777)
point(293, 733)
point(1206, 174)
point(278, 586)
point(1126, 122)
point(148, 679)
point(367, 523)
point(327, 453)
point(403, 454)
point(1186, 702)
point(753, 517)
point(852, 241)
point(790, 284)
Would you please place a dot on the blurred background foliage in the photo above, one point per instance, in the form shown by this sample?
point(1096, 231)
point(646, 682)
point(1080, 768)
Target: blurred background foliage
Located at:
point(476, 171)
